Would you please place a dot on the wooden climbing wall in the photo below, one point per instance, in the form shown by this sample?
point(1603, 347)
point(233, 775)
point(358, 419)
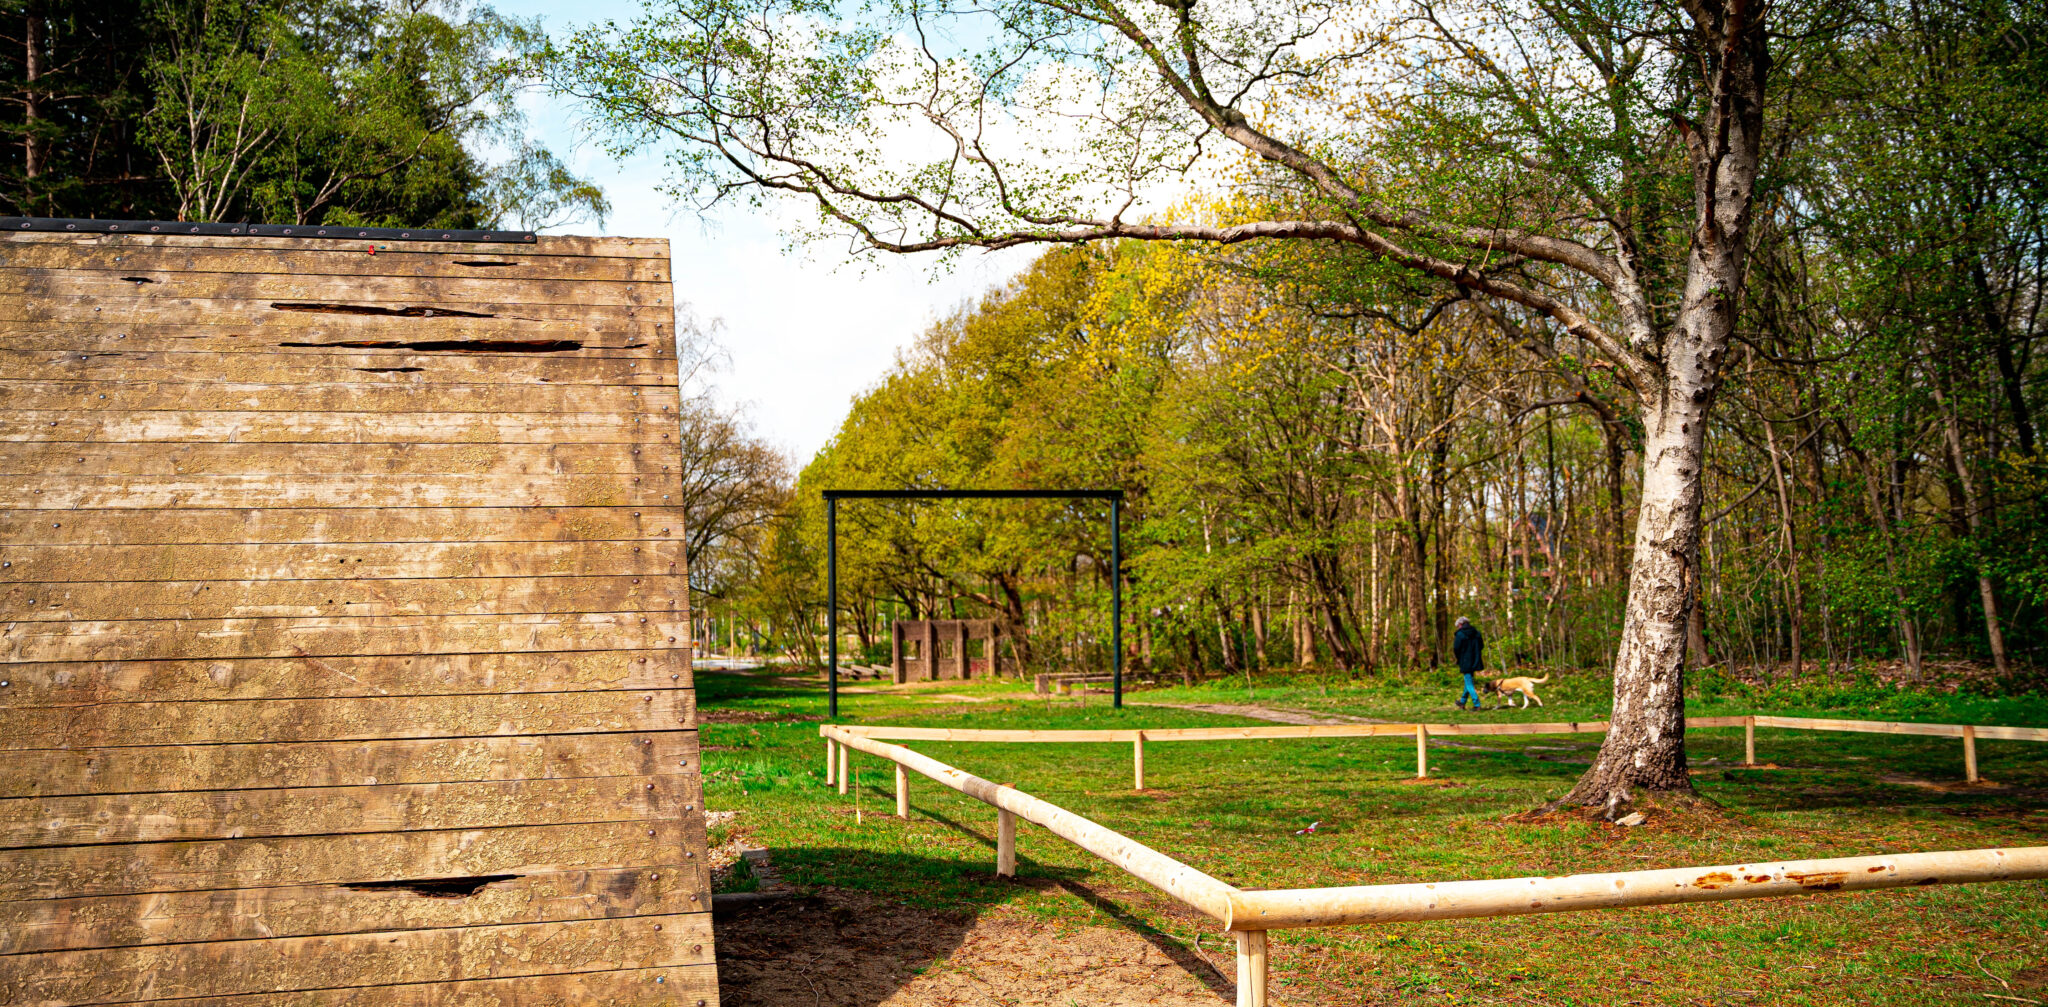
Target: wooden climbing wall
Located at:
point(344, 649)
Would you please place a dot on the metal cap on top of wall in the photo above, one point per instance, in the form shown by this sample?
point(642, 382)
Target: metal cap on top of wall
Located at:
point(90, 226)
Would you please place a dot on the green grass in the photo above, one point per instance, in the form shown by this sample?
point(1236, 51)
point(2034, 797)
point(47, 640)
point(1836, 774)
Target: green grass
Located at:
point(1231, 809)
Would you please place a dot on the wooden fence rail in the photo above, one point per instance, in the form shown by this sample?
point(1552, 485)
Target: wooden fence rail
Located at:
point(1248, 915)
point(1969, 733)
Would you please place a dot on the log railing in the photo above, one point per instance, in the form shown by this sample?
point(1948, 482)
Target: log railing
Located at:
point(1136, 738)
point(1247, 915)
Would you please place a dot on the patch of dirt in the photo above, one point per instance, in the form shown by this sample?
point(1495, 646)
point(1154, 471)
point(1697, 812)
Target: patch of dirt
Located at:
point(847, 949)
point(720, 715)
point(2032, 979)
point(1946, 787)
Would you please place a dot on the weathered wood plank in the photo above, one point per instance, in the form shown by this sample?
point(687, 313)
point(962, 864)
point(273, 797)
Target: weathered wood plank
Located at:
point(392, 261)
point(306, 525)
point(340, 676)
point(218, 865)
point(683, 986)
point(340, 561)
point(552, 244)
point(58, 462)
point(144, 309)
point(172, 768)
point(159, 426)
point(228, 396)
point(67, 492)
point(308, 811)
point(311, 910)
point(166, 639)
point(295, 286)
point(164, 972)
point(346, 367)
point(319, 599)
point(322, 338)
point(370, 717)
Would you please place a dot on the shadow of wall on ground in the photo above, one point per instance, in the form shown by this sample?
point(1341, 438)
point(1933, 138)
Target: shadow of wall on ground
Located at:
point(847, 947)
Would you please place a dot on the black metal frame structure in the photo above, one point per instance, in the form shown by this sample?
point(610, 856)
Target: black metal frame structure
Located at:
point(1116, 565)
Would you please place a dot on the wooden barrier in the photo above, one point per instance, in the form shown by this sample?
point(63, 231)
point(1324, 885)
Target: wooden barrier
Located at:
point(1248, 915)
point(1969, 734)
point(346, 657)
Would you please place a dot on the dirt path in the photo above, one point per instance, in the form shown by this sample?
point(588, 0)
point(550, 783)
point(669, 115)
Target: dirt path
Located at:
point(1273, 714)
point(847, 949)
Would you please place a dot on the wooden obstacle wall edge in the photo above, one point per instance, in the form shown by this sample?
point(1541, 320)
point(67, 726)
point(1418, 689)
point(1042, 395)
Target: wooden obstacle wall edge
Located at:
point(345, 656)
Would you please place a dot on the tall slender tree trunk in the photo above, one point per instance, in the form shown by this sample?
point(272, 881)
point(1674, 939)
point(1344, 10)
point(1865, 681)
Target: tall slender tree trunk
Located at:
point(1974, 517)
point(1795, 598)
point(1645, 745)
point(32, 97)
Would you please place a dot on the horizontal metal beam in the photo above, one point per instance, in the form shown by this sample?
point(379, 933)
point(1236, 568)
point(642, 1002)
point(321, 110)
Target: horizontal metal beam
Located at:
point(974, 494)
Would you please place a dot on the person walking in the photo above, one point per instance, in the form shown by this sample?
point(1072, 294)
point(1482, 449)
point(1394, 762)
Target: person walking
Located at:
point(1470, 649)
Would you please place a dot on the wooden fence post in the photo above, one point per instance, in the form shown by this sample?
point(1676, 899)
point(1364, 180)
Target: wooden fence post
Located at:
point(1970, 754)
point(843, 761)
point(1006, 843)
point(830, 749)
point(1421, 752)
point(1749, 741)
point(1138, 761)
point(1251, 967)
point(902, 793)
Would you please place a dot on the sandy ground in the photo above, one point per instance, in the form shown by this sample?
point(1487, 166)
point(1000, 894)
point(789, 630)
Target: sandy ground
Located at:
point(846, 949)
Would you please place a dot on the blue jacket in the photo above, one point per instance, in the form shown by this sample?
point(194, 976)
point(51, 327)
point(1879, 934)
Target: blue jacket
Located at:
point(1468, 645)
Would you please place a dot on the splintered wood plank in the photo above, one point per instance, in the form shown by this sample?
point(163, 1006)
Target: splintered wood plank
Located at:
point(552, 244)
point(166, 639)
point(685, 986)
point(57, 462)
point(66, 492)
point(309, 910)
point(322, 338)
point(358, 261)
point(342, 676)
point(172, 971)
point(345, 367)
point(308, 811)
point(216, 865)
point(144, 309)
point(339, 561)
point(370, 717)
point(298, 286)
point(337, 427)
point(173, 768)
point(227, 396)
point(319, 599)
point(306, 525)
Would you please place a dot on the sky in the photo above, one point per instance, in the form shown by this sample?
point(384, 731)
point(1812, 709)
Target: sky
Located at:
point(804, 330)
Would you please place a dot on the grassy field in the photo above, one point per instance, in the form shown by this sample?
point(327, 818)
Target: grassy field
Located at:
point(1232, 809)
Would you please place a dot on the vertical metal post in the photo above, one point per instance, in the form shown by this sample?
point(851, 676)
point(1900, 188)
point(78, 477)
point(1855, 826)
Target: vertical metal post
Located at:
point(1116, 599)
point(832, 607)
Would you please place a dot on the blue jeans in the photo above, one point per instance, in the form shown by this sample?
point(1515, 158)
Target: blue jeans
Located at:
point(1470, 690)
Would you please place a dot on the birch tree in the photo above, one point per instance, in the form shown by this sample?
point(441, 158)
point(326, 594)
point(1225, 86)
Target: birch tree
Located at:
point(1587, 166)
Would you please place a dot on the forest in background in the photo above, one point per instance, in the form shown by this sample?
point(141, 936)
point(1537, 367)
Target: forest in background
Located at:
point(1328, 460)
point(371, 113)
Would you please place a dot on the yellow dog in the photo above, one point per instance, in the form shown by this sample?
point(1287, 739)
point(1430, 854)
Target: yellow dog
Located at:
point(1522, 684)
